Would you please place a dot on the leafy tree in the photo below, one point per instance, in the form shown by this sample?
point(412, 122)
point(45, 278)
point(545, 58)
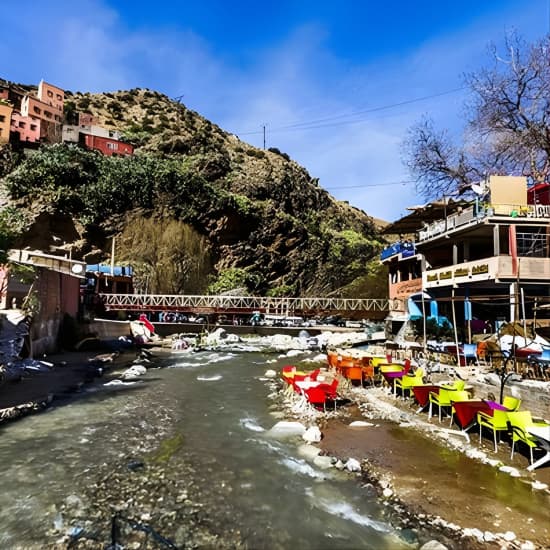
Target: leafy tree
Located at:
point(12, 224)
point(507, 126)
point(231, 279)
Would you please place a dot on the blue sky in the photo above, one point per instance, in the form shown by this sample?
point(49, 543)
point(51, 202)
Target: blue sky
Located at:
point(325, 78)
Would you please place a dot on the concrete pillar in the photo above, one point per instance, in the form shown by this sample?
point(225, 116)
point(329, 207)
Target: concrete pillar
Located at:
point(496, 240)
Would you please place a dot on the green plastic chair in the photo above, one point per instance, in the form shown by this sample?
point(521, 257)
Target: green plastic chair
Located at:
point(456, 396)
point(511, 403)
point(406, 383)
point(497, 423)
point(519, 421)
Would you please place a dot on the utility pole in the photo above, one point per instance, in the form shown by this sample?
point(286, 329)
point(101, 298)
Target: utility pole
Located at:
point(264, 135)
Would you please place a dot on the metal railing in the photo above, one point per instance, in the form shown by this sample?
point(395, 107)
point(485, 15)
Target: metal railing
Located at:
point(239, 303)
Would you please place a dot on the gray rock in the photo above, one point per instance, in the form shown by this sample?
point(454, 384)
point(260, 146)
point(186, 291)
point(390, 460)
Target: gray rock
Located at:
point(433, 545)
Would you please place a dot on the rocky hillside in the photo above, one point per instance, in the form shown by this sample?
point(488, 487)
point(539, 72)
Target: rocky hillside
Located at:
point(194, 209)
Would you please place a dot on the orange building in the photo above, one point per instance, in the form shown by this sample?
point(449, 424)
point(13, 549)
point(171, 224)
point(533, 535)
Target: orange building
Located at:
point(6, 110)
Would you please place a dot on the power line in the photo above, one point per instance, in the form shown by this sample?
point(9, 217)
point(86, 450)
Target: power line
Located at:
point(403, 182)
point(324, 122)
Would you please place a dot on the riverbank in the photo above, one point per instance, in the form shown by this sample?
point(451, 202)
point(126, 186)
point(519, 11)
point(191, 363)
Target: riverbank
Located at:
point(432, 478)
point(34, 385)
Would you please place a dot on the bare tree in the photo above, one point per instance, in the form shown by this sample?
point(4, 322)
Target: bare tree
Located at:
point(438, 166)
point(507, 130)
point(168, 256)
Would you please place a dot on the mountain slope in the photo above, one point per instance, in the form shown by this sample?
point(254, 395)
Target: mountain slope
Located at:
point(261, 220)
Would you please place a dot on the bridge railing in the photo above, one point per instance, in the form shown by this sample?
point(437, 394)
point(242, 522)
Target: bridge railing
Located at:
point(236, 303)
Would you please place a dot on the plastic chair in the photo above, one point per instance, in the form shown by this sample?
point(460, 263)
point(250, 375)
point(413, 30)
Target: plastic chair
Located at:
point(316, 397)
point(440, 399)
point(469, 353)
point(355, 374)
point(407, 382)
point(455, 385)
point(497, 423)
point(511, 403)
point(519, 421)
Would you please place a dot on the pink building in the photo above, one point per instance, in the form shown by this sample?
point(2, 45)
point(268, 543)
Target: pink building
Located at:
point(47, 106)
point(26, 127)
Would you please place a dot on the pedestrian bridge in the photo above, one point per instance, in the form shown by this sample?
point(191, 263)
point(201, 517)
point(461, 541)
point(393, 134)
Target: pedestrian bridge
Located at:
point(242, 304)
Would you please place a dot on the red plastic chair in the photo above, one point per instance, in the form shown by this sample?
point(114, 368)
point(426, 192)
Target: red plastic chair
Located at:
point(317, 397)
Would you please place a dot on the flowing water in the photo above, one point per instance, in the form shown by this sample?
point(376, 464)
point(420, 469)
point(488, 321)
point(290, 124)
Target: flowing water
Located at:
point(211, 410)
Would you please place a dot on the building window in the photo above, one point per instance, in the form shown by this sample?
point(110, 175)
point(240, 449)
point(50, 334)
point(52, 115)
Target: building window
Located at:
point(47, 114)
point(33, 127)
point(50, 93)
point(59, 98)
point(2, 118)
point(36, 110)
point(21, 124)
point(112, 146)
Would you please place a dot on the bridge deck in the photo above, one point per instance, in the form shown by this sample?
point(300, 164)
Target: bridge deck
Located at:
point(241, 304)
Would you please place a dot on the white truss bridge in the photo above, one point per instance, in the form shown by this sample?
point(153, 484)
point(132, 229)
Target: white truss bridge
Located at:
point(240, 304)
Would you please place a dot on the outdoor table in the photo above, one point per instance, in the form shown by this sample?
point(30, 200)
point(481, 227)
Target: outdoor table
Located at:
point(307, 384)
point(542, 433)
point(422, 394)
point(466, 411)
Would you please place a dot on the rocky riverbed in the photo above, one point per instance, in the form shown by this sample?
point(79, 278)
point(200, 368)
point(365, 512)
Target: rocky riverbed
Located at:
point(433, 484)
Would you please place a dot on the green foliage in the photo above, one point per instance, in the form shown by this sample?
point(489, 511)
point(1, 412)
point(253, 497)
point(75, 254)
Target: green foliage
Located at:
point(281, 290)
point(233, 278)
point(243, 204)
point(278, 152)
point(257, 153)
point(12, 224)
point(57, 174)
point(433, 330)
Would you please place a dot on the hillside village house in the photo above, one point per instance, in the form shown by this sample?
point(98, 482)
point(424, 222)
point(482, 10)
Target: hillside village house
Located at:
point(6, 110)
point(47, 106)
point(97, 138)
point(490, 257)
point(25, 129)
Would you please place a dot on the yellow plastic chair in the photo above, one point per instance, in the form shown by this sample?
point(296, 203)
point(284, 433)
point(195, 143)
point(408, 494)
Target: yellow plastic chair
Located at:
point(456, 396)
point(519, 422)
point(497, 423)
point(511, 403)
point(440, 399)
point(406, 383)
point(455, 385)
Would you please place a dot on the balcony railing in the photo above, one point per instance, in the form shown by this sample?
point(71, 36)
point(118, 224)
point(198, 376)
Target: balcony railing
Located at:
point(479, 212)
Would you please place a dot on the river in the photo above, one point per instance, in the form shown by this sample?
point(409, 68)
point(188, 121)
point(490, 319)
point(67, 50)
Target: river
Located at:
point(186, 453)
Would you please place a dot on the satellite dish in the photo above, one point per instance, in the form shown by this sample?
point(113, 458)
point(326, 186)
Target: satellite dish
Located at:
point(77, 268)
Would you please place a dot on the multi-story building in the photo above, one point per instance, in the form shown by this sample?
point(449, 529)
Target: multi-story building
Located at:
point(98, 138)
point(482, 260)
point(24, 129)
point(71, 133)
point(107, 146)
point(6, 110)
point(47, 106)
